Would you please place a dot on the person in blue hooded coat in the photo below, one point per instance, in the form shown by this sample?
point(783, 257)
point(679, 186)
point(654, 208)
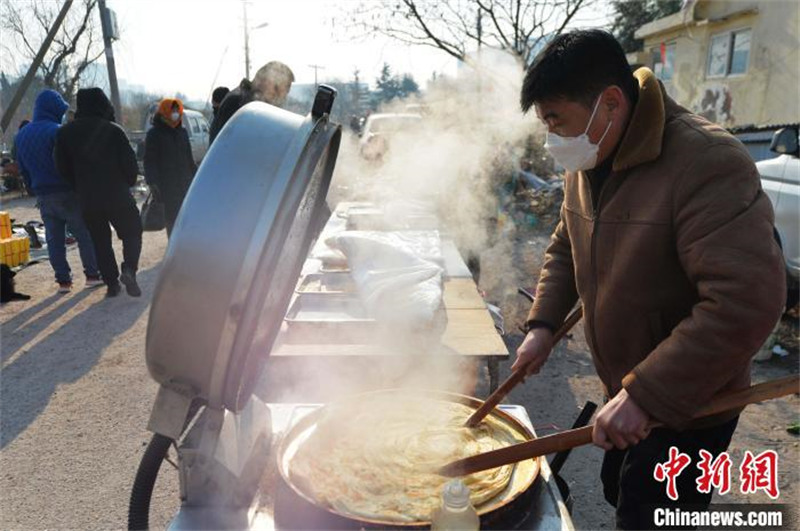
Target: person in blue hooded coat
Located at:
point(55, 197)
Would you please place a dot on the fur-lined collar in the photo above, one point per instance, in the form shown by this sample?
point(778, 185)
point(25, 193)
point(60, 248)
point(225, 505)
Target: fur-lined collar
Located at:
point(642, 140)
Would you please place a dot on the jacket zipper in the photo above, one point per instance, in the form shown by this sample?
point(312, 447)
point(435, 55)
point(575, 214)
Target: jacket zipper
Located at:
point(593, 262)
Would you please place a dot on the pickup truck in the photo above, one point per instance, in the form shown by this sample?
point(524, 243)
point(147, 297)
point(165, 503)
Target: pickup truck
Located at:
point(780, 178)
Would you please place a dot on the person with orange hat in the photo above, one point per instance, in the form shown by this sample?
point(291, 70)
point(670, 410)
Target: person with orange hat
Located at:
point(168, 164)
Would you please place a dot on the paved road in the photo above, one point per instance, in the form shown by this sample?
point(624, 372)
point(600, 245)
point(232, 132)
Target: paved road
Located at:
point(75, 397)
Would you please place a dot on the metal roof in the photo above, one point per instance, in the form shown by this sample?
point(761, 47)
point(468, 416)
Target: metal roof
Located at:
point(753, 128)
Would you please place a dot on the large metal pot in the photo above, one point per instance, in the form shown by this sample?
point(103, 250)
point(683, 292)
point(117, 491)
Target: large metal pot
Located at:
point(522, 478)
point(238, 246)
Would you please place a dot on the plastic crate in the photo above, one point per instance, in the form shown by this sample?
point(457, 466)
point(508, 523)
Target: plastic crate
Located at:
point(5, 226)
point(14, 251)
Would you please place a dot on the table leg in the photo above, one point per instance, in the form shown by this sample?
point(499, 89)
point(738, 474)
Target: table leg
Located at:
point(494, 373)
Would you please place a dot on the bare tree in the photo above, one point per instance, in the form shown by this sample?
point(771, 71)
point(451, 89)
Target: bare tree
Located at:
point(519, 27)
point(78, 44)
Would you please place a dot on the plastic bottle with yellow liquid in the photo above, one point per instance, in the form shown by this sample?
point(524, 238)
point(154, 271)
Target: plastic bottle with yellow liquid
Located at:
point(456, 512)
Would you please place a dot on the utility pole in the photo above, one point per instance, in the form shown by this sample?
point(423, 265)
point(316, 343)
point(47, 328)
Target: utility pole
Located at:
point(247, 29)
point(480, 30)
point(478, 60)
point(37, 61)
point(316, 67)
point(356, 92)
point(246, 42)
point(109, 34)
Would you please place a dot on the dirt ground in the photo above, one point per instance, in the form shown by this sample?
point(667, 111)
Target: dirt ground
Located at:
point(76, 395)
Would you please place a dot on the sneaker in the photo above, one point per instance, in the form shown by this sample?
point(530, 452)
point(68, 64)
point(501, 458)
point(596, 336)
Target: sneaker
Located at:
point(64, 287)
point(93, 282)
point(129, 279)
point(113, 290)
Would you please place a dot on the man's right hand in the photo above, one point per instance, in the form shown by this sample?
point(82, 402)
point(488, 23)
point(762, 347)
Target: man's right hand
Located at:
point(534, 350)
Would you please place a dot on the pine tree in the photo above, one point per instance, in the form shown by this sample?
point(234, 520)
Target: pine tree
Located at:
point(408, 86)
point(388, 84)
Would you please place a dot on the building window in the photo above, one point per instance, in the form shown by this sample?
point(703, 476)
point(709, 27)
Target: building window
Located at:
point(729, 53)
point(664, 63)
point(740, 55)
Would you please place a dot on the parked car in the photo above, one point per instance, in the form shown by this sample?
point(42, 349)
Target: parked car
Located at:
point(379, 128)
point(780, 178)
point(195, 124)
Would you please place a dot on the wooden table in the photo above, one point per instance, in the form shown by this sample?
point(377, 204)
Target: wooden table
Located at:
point(470, 333)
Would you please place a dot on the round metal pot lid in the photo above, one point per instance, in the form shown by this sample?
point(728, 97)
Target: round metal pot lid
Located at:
point(236, 251)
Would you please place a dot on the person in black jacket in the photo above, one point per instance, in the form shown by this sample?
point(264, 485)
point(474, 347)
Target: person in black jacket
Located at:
point(217, 97)
point(94, 155)
point(271, 85)
point(168, 164)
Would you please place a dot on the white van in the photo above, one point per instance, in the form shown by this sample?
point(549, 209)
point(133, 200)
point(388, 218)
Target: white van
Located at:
point(780, 178)
point(197, 127)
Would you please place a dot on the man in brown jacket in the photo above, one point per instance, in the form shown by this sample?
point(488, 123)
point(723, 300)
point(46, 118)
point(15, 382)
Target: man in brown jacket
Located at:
point(666, 239)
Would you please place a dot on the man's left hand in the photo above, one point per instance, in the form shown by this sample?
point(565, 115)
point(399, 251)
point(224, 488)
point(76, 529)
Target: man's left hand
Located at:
point(621, 423)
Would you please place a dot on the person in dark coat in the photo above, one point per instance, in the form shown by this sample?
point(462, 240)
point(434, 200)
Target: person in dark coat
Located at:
point(168, 164)
point(217, 97)
point(55, 196)
point(93, 153)
point(14, 167)
point(270, 85)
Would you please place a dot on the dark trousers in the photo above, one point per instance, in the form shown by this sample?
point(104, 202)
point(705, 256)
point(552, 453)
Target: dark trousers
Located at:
point(172, 206)
point(628, 482)
point(124, 217)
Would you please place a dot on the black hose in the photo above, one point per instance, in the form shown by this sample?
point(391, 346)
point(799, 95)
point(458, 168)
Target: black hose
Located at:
point(139, 507)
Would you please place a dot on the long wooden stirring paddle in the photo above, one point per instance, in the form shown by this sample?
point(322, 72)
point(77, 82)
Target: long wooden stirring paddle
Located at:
point(518, 375)
point(572, 438)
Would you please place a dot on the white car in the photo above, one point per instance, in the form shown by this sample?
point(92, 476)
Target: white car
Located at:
point(780, 178)
point(379, 128)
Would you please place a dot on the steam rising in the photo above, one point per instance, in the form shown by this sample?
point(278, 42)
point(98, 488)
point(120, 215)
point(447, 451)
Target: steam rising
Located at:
point(469, 128)
point(469, 124)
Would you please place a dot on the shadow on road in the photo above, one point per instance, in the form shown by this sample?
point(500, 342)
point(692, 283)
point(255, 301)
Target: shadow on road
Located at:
point(12, 343)
point(66, 355)
point(15, 322)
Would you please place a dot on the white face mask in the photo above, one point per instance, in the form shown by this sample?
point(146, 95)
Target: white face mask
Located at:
point(176, 116)
point(576, 153)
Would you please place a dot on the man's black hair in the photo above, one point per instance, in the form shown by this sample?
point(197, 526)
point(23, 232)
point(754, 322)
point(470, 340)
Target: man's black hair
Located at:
point(577, 66)
point(219, 94)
